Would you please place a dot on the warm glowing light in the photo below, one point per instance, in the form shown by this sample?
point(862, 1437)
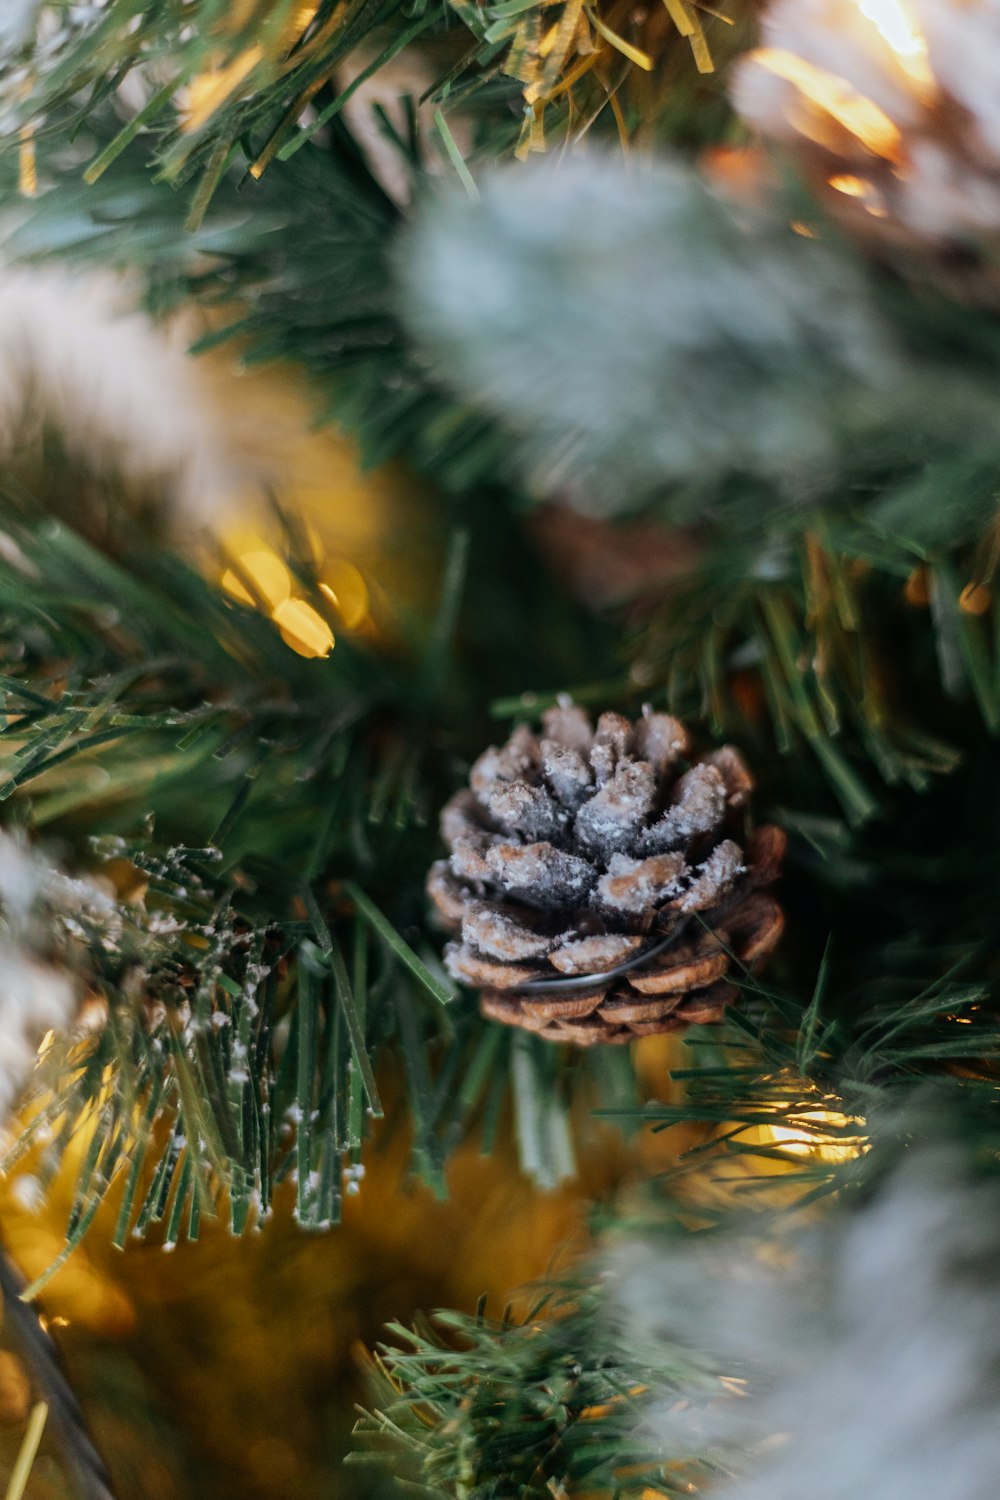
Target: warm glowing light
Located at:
point(846, 182)
point(856, 187)
point(265, 571)
point(918, 587)
point(303, 629)
point(896, 26)
point(347, 591)
point(838, 98)
point(974, 599)
point(828, 1145)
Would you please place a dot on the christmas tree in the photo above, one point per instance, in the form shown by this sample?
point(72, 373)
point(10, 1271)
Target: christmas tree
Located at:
point(501, 685)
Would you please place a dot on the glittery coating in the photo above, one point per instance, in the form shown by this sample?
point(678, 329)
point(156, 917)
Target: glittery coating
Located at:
point(601, 884)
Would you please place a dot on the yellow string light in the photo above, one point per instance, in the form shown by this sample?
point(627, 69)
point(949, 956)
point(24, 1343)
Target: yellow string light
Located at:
point(851, 186)
point(974, 599)
point(303, 628)
point(888, 33)
point(837, 98)
point(264, 569)
point(897, 26)
point(347, 591)
point(261, 578)
point(817, 1144)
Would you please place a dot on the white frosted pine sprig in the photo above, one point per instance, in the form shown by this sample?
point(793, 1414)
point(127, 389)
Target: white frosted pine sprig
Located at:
point(866, 1343)
point(643, 330)
point(894, 112)
point(38, 992)
point(602, 884)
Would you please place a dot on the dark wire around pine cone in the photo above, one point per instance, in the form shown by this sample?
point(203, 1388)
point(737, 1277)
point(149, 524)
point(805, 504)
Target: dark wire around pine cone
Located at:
point(604, 886)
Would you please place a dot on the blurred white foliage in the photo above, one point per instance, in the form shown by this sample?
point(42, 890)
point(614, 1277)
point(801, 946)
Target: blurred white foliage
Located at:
point(17, 22)
point(37, 991)
point(870, 1346)
point(643, 328)
point(949, 183)
point(34, 998)
point(963, 44)
point(73, 355)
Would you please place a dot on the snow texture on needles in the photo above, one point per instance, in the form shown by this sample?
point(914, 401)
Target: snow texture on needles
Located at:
point(643, 329)
point(870, 1347)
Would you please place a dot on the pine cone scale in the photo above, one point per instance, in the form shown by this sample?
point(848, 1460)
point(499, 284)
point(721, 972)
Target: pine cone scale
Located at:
point(676, 972)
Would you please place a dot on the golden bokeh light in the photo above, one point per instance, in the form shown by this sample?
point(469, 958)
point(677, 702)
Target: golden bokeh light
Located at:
point(836, 98)
point(974, 599)
point(303, 628)
point(822, 1135)
point(853, 187)
point(347, 591)
point(887, 32)
point(896, 24)
point(264, 569)
point(259, 577)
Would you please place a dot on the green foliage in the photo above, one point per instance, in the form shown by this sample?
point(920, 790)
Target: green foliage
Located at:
point(170, 731)
point(201, 81)
point(785, 643)
point(267, 821)
point(863, 1047)
point(204, 74)
point(554, 1404)
point(805, 1104)
point(297, 266)
point(279, 807)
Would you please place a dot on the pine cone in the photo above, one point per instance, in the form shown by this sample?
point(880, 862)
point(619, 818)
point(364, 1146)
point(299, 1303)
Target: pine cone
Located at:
point(595, 882)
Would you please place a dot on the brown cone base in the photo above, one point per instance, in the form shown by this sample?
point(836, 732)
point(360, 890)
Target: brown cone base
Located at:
point(687, 985)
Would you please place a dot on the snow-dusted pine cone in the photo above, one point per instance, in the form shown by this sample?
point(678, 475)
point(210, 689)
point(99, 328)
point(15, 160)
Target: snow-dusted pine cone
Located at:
point(597, 882)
